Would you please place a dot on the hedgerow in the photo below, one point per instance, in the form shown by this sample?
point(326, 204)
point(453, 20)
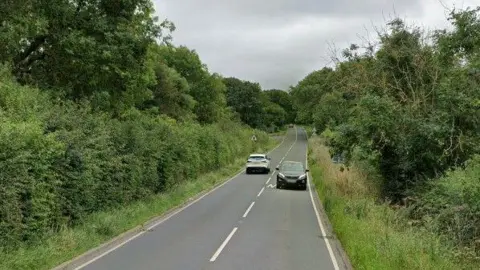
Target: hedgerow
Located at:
point(61, 161)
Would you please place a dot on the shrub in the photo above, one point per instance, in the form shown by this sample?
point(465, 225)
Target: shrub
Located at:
point(451, 206)
point(61, 161)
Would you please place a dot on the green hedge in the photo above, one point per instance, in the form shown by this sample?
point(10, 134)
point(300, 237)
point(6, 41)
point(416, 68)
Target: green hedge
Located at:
point(62, 161)
point(451, 207)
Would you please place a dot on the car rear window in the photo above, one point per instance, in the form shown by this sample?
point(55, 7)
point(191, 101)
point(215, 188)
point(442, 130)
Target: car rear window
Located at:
point(257, 157)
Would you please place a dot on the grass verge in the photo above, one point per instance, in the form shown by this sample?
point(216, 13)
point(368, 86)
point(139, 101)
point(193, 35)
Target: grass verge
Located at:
point(103, 226)
point(374, 236)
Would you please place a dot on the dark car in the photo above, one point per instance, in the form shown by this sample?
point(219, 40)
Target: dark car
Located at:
point(292, 173)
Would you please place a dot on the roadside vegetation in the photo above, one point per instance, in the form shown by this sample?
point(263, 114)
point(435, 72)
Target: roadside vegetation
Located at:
point(102, 226)
point(105, 123)
point(375, 235)
point(405, 115)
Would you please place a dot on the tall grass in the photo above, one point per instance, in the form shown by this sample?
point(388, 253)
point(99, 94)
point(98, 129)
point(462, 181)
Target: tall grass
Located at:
point(374, 235)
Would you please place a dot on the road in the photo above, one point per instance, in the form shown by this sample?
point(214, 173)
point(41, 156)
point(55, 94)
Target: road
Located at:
point(244, 224)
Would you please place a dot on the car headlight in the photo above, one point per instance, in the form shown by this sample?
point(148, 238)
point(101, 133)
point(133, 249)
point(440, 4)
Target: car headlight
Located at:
point(303, 176)
point(281, 175)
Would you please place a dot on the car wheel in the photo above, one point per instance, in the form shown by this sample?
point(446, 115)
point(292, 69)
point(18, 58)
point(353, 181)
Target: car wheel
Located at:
point(247, 171)
point(304, 187)
point(278, 186)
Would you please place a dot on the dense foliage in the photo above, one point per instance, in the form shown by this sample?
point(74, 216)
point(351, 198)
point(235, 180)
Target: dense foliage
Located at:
point(410, 108)
point(269, 109)
point(99, 109)
point(80, 47)
point(62, 161)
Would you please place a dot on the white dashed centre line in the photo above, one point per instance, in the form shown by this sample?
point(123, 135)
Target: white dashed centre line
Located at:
point(248, 210)
point(225, 242)
point(260, 193)
point(219, 250)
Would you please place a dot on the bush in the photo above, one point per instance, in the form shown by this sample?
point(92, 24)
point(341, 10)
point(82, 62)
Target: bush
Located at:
point(378, 235)
point(61, 161)
point(451, 206)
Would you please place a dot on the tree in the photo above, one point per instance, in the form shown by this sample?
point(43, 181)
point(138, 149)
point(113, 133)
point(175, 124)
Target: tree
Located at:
point(245, 98)
point(81, 46)
point(274, 115)
point(308, 92)
point(284, 100)
point(207, 89)
point(171, 94)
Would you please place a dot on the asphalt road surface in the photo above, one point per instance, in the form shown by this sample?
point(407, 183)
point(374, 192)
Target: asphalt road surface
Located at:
point(244, 224)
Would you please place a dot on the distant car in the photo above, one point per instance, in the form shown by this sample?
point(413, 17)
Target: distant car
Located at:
point(292, 173)
point(290, 126)
point(258, 162)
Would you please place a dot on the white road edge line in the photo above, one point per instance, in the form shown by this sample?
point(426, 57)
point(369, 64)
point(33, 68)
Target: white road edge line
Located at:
point(219, 250)
point(248, 210)
point(261, 191)
point(268, 180)
point(330, 251)
point(167, 217)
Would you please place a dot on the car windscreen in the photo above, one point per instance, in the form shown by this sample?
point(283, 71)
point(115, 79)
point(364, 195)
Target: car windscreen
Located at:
point(292, 167)
point(256, 157)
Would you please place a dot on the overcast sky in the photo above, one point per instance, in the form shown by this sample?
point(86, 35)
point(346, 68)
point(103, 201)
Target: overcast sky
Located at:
point(278, 42)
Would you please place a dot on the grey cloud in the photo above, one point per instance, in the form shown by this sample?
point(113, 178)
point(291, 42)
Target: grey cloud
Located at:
point(296, 7)
point(273, 42)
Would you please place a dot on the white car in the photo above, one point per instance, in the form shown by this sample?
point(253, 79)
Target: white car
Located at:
point(258, 162)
